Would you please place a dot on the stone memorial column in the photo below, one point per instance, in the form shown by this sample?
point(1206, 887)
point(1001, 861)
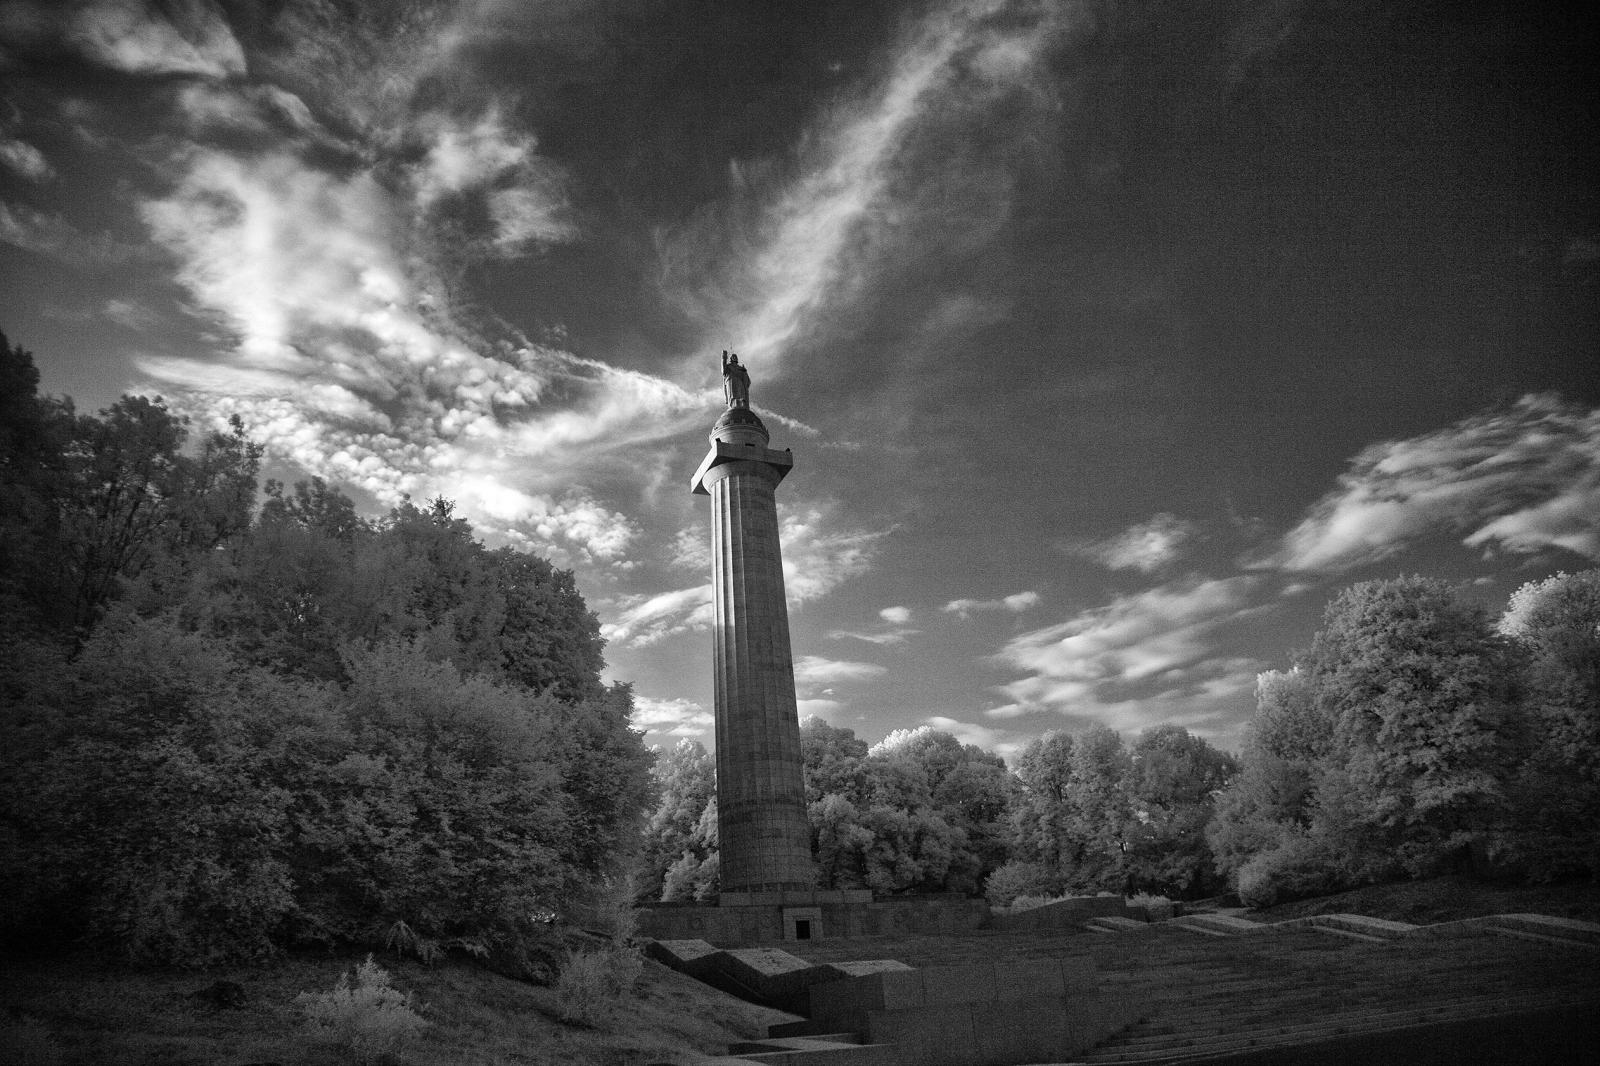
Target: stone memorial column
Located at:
point(765, 840)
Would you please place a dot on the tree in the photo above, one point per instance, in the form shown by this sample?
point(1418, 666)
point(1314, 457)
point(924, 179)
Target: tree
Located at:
point(1073, 815)
point(1039, 809)
point(1414, 683)
point(1099, 811)
point(1273, 793)
point(675, 841)
point(1555, 626)
point(1173, 784)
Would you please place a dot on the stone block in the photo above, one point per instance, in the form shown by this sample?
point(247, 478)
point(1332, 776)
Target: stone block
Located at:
point(930, 1036)
point(1018, 978)
point(951, 985)
point(772, 974)
point(1028, 1030)
point(839, 971)
point(851, 998)
point(693, 957)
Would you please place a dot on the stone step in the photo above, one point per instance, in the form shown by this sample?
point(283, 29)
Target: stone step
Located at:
point(1117, 1051)
point(807, 1051)
point(1225, 1027)
point(1350, 934)
point(1543, 938)
point(803, 1043)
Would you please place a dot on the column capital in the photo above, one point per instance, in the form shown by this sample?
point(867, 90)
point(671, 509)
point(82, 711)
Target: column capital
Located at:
point(776, 465)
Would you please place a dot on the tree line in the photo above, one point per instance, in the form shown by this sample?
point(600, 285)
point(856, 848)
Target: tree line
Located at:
point(229, 729)
point(1419, 734)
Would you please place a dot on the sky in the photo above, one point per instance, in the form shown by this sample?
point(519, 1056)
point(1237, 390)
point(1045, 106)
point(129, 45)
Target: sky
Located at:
point(1111, 339)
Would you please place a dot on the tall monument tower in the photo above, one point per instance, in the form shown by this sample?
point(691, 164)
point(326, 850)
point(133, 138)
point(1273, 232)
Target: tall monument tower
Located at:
point(761, 800)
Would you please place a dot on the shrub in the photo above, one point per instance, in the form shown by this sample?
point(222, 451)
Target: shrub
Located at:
point(1016, 879)
point(368, 1017)
point(1301, 866)
point(593, 984)
point(1156, 908)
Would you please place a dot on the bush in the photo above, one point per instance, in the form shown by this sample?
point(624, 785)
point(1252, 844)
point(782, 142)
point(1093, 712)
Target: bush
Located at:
point(1156, 908)
point(1015, 879)
point(369, 1018)
point(1300, 867)
point(593, 984)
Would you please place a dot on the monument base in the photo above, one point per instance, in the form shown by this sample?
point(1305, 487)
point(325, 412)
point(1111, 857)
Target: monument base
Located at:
point(742, 919)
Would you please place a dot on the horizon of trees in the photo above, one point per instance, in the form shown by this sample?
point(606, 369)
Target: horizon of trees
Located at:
point(1418, 735)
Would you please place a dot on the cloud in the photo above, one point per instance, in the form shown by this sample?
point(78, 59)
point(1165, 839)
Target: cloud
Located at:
point(1146, 547)
point(133, 36)
point(1517, 480)
point(814, 239)
point(896, 633)
point(25, 160)
point(673, 718)
point(691, 549)
point(827, 710)
point(1016, 603)
point(51, 235)
point(815, 670)
point(817, 558)
point(323, 266)
point(1138, 660)
point(1002, 742)
point(639, 621)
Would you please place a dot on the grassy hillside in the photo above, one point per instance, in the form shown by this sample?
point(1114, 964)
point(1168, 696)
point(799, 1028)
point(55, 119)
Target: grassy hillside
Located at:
point(84, 1010)
point(1443, 899)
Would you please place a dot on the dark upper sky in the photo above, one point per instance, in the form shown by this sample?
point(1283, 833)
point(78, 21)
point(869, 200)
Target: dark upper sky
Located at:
point(1111, 339)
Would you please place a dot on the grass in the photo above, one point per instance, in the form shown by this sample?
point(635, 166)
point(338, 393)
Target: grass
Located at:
point(98, 1012)
point(1443, 899)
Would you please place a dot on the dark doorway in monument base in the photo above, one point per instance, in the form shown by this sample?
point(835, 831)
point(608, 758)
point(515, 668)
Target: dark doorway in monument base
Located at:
point(802, 923)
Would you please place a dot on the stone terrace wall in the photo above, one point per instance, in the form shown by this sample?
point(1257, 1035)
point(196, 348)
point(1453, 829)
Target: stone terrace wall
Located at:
point(759, 918)
point(1068, 913)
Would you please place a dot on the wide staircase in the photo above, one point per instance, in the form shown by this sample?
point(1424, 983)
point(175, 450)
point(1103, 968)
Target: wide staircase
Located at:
point(1222, 988)
point(1314, 984)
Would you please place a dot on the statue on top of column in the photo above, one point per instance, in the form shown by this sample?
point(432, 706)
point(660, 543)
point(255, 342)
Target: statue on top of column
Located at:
point(735, 382)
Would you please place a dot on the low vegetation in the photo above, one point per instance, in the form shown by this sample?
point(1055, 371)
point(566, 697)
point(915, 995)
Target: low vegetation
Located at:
point(85, 1010)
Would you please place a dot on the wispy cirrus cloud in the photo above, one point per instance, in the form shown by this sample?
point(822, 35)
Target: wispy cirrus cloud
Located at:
point(52, 235)
point(813, 243)
point(24, 160)
point(817, 558)
point(131, 36)
point(320, 265)
point(816, 670)
point(1517, 480)
point(819, 555)
point(670, 718)
point(640, 621)
point(1146, 547)
point(1002, 742)
point(1141, 659)
point(894, 631)
point(1015, 603)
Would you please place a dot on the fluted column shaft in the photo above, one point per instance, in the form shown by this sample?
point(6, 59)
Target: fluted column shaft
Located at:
point(761, 805)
